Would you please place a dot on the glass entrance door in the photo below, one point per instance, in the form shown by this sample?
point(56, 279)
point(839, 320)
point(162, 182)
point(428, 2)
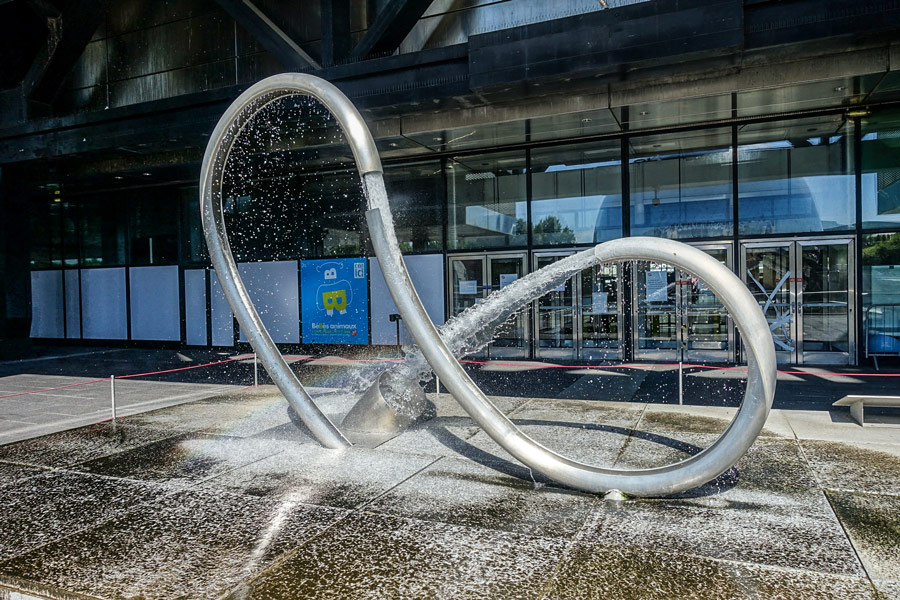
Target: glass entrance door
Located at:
point(580, 320)
point(805, 291)
point(554, 319)
point(473, 278)
point(511, 339)
point(676, 317)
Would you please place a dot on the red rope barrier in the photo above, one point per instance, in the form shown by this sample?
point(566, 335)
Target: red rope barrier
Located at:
point(71, 385)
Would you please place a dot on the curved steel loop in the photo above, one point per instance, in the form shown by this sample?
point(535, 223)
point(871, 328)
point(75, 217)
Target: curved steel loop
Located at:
point(694, 471)
point(218, 149)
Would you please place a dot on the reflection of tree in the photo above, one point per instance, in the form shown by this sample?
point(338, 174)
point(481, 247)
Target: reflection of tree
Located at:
point(885, 250)
point(550, 231)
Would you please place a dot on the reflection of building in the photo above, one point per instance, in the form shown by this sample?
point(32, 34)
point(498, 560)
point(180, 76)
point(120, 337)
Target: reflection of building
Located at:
point(512, 134)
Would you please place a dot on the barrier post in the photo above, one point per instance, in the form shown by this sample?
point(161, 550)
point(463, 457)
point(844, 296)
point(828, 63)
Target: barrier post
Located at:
point(680, 390)
point(112, 394)
point(437, 384)
point(255, 371)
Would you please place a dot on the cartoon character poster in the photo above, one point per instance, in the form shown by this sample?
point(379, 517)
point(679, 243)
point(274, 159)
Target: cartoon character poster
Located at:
point(334, 301)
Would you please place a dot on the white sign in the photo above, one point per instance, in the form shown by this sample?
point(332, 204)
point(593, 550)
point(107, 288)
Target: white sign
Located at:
point(599, 301)
point(507, 278)
point(657, 285)
point(468, 287)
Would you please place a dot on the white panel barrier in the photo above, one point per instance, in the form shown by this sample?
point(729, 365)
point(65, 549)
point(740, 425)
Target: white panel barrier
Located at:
point(155, 312)
point(73, 304)
point(195, 306)
point(222, 318)
point(47, 304)
point(104, 314)
point(427, 273)
point(273, 289)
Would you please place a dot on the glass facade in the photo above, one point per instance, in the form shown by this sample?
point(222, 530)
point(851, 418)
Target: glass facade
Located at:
point(487, 202)
point(681, 184)
point(881, 170)
point(576, 194)
point(796, 176)
point(753, 187)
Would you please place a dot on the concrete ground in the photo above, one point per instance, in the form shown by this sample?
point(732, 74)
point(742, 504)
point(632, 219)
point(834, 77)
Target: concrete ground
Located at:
point(228, 497)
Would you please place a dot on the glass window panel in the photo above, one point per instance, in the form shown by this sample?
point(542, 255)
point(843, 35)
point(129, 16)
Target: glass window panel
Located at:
point(416, 194)
point(881, 292)
point(154, 227)
point(102, 229)
point(796, 176)
point(681, 185)
point(576, 194)
point(881, 170)
point(196, 251)
point(45, 234)
point(487, 201)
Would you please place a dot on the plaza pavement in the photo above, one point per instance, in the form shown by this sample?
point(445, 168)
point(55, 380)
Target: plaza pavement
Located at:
point(228, 497)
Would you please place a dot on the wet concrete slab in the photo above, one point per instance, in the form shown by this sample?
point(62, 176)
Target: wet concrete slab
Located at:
point(79, 445)
point(49, 506)
point(488, 496)
point(316, 475)
point(230, 497)
point(184, 459)
point(872, 522)
point(777, 530)
point(368, 556)
point(771, 464)
point(854, 466)
point(190, 544)
point(597, 570)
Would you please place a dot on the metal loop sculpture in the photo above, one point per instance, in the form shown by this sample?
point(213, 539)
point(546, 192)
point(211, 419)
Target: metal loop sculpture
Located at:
point(692, 472)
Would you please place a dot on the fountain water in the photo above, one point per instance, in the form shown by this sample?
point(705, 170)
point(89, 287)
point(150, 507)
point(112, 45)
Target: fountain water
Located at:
point(440, 354)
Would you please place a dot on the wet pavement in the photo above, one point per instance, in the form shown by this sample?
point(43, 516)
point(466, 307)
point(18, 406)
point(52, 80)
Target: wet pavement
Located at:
point(229, 497)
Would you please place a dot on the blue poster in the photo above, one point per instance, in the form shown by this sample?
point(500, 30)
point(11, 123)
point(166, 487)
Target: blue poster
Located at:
point(334, 301)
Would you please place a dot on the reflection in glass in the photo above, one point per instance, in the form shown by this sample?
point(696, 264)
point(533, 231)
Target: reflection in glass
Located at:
point(681, 184)
point(599, 310)
point(657, 318)
point(487, 201)
point(468, 283)
point(768, 276)
point(825, 314)
point(707, 323)
point(509, 340)
point(576, 194)
point(796, 176)
point(881, 170)
point(881, 292)
point(555, 316)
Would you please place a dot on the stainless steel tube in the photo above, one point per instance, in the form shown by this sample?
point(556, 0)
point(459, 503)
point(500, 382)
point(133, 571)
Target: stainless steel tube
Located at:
point(698, 469)
point(215, 158)
point(694, 471)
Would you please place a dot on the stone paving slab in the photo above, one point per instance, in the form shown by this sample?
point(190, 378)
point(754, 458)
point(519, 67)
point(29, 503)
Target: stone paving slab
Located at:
point(49, 506)
point(74, 446)
point(599, 571)
point(189, 544)
point(229, 497)
point(463, 492)
point(315, 475)
point(854, 466)
point(873, 523)
point(373, 557)
point(186, 459)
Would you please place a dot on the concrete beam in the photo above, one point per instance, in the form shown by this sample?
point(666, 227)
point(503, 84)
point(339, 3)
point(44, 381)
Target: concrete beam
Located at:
point(266, 32)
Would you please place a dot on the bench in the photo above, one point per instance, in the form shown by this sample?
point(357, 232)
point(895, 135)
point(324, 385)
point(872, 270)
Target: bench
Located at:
point(856, 404)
